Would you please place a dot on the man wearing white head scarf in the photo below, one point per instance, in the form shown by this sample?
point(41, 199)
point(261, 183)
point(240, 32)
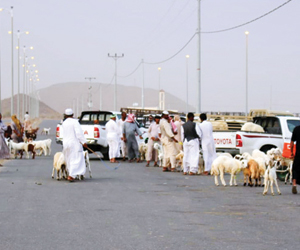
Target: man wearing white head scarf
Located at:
point(72, 146)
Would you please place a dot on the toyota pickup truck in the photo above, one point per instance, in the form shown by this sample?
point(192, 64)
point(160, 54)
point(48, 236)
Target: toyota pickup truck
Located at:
point(93, 126)
point(278, 132)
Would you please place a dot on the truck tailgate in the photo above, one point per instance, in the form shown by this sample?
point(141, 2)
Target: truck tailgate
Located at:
point(225, 139)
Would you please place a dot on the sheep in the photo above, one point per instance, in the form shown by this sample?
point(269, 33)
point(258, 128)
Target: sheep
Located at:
point(270, 179)
point(143, 150)
point(251, 171)
point(224, 164)
point(179, 158)
point(252, 127)
point(48, 145)
point(160, 152)
point(59, 164)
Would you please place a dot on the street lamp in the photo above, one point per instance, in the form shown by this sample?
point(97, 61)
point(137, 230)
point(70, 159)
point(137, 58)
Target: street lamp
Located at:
point(90, 103)
point(187, 82)
point(246, 33)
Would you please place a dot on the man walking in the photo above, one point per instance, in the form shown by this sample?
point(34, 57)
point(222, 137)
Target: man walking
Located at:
point(112, 136)
point(72, 146)
point(190, 135)
point(168, 142)
point(296, 162)
point(207, 142)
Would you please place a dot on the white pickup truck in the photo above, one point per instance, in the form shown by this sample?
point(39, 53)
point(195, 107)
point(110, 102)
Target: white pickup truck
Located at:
point(93, 126)
point(278, 132)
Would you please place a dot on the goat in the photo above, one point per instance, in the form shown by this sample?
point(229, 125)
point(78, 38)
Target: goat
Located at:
point(15, 147)
point(160, 152)
point(270, 179)
point(87, 164)
point(46, 131)
point(41, 146)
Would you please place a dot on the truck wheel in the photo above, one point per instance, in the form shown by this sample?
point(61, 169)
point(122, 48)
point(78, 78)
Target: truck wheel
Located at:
point(265, 149)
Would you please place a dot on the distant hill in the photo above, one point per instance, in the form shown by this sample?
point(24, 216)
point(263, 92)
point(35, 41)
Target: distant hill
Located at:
point(75, 95)
point(45, 112)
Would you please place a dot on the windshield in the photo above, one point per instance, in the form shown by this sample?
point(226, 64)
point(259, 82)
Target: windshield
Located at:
point(292, 124)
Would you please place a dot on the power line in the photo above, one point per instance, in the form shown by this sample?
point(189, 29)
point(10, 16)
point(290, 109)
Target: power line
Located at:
point(238, 26)
point(175, 53)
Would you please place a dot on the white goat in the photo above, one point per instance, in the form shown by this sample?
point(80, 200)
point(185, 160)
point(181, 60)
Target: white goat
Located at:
point(87, 163)
point(41, 146)
point(270, 179)
point(224, 164)
point(46, 131)
point(59, 164)
point(15, 147)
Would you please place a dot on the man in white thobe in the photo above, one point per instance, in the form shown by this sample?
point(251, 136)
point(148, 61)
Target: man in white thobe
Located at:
point(72, 146)
point(112, 136)
point(152, 138)
point(207, 142)
point(190, 134)
point(122, 143)
point(168, 142)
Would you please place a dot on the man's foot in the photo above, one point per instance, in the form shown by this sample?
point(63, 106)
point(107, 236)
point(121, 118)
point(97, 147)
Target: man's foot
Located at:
point(155, 164)
point(147, 165)
point(294, 190)
point(138, 160)
point(173, 170)
point(70, 179)
point(205, 173)
point(191, 173)
point(165, 169)
point(124, 159)
point(184, 173)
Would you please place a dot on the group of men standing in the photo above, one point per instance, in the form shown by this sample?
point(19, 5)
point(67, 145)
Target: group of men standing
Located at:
point(173, 135)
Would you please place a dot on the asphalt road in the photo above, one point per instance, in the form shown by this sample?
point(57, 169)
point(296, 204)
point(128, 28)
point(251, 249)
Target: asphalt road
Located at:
point(135, 207)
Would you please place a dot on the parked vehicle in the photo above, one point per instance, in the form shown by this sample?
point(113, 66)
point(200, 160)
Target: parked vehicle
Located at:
point(93, 126)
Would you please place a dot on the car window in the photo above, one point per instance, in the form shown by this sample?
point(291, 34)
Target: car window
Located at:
point(101, 117)
point(292, 124)
point(85, 117)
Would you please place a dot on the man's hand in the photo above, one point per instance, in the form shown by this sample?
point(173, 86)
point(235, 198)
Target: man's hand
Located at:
point(124, 139)
point(175, 139)
point(141, 137)
point(85, 145)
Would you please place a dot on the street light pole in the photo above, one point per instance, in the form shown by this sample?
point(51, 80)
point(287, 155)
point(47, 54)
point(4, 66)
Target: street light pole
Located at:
point(18, 47)
point(143, 86)
point(12, 62)
point(116, 57)
point(187, 83)
point(246, 33)
point(90, 104)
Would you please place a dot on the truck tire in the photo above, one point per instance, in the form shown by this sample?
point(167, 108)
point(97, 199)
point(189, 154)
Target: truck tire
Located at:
point(266, 148)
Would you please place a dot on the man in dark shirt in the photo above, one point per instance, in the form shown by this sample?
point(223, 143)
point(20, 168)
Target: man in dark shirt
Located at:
point(296, 163)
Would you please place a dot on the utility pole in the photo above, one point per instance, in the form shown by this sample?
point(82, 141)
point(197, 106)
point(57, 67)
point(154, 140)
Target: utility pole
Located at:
point(198, 107)
point(116, 57)
point(90, 103)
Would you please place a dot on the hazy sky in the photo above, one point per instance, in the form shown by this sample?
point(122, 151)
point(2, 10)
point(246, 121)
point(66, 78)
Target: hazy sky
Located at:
point(72, 38)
